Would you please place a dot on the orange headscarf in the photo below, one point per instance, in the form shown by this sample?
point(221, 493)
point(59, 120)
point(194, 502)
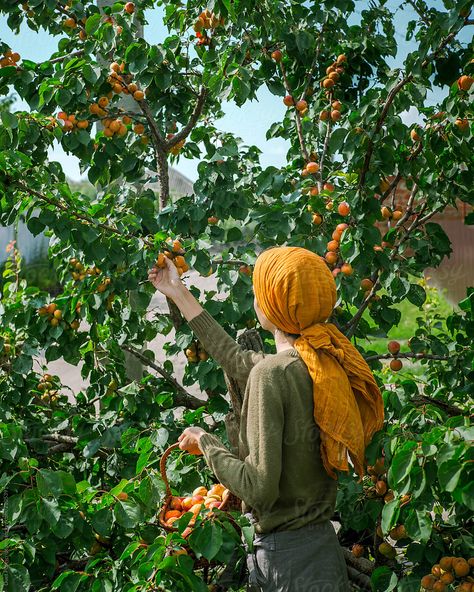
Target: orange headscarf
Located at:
point(297, 293)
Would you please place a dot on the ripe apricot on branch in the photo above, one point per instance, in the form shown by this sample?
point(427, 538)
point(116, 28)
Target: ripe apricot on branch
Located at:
point(465, 82)
point(301, 106)
point(277, 55)
point(312, 167)
point(317, 219)
point(343, 208)
point(288, 100)
point(396, 365)
point(393, 347)
point(415, 136)
point(129, 7)
point(212, 220)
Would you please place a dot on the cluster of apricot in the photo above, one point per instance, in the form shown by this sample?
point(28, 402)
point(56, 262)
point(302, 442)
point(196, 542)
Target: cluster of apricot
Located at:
point(123, 83)
point(388, 214)
point(48, 388)
point(53, 313)
point(198, 502)
point(196, 352)
point(79, 272)
point(175, 252)
point(176, 149)
point(334, 113)
point(10, 58)
point(70, 122)
point(208, 20)
point(447, 571)
point(377, 473)
point(394, 348)
point(333, 72)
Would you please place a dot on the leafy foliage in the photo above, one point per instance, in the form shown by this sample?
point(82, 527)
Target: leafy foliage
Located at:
point(67, 456)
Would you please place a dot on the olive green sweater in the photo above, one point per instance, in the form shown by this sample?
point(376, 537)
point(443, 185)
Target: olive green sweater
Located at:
point(278, 473)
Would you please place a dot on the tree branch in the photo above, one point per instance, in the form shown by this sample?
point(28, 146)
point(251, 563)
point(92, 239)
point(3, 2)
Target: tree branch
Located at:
point(192, 120)
point(390, 98)
point(182, 397)
point(84, 218)
point(418, 356)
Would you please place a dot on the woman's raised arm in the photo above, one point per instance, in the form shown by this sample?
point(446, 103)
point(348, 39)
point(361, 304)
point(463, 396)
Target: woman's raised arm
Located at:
point(234, 360)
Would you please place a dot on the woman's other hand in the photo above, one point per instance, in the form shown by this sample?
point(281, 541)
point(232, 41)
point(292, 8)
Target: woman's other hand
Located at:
point(166, 280)
point(189, 440)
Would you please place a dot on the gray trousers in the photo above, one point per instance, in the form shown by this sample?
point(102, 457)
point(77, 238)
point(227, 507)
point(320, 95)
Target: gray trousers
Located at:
point(309, 559)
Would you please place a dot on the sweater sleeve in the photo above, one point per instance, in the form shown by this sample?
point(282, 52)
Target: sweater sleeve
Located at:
point(234, 360)
point(256, 478)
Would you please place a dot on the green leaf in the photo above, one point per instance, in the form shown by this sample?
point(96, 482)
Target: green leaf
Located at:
point(337, 139)
point(127, 514)
point(449, 473)
point(207, 540)
point(9, 119)
point(383, 579)
point(93, 23)
point(49, 483)
point(49, 510)
point(402, 463)
point(416, 295)
point(390, 515)
point(418, 525)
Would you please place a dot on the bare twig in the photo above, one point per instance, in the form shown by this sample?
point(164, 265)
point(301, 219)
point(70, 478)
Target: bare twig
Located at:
point(418, 356)
point(299, 128)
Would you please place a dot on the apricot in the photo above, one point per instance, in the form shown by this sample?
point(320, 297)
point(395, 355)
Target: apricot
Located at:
point(324, 115)
point(212, 220)
point(139, 128)
point(415, 136)
point(447, 578)
point(334, 76)
point(347, 269)
point(335, 115)
point(461, 567)
point(138, 95)
point(386, 213)
point(301, 106)
point(393, 347)
point(396, 215)
point(439, 587)
point(196, 508)
point(288, 101)
point(341, 59)
point(103, 102)
point(187, 502)
point(217, 489)
point(398, 532)
point(366, 284)
point(387, 550)
point(201, 491)
point(312, 167)
point(428, 581)
point(277, 55)
point(462, 124)
point(70, 23)
point(336, 271)
point(388, 497)
point(83, 124)
point(328, 83)
point(337, 105)
point(357, 550)
point(446, 563)
point(129, 7)
point(396, 365)
point(333, 245)
point(172, 520)
point(314, 191)
point(317, 219)
point(172, 514)
point(122, 496)
point(381, 487)
point(344, 208)
point(465, 82)
point(50, 308)
point(328, 187)
point(331, 257)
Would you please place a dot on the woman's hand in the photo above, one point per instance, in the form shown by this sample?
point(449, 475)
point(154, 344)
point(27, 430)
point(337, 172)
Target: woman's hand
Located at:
point(166, 279)
point(189, 440)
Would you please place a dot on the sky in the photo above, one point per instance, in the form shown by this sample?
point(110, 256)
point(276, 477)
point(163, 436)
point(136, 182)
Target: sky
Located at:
point(249, 122)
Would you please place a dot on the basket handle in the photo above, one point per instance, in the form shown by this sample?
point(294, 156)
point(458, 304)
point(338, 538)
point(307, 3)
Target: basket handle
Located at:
point(165, 455)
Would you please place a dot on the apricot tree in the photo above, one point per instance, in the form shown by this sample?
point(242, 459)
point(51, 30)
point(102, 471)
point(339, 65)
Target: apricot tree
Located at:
point(81, 486)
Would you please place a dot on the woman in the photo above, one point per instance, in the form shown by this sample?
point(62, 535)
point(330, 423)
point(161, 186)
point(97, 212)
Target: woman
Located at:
point(305, 409)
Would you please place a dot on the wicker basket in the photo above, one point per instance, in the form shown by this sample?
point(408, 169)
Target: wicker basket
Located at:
point(229, 500)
